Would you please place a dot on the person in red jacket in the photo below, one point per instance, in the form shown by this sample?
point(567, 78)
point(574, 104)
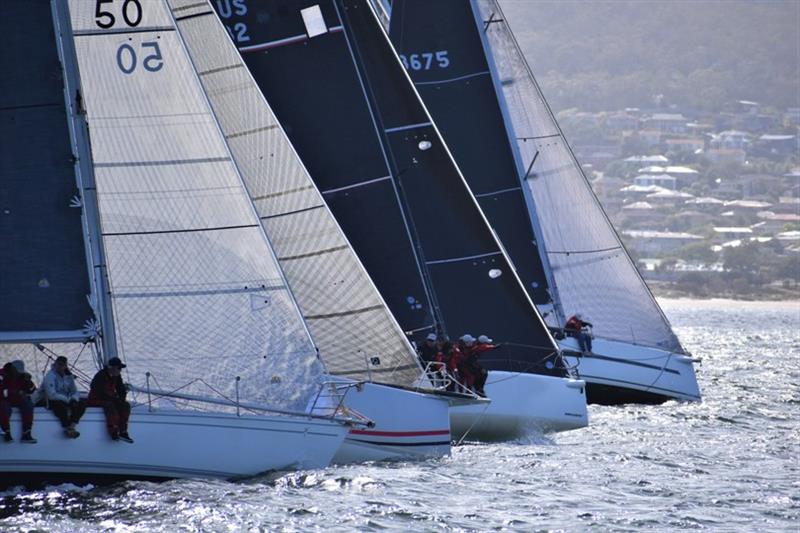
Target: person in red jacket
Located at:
point(16, 389)
point(574, 328)
point(108, 391)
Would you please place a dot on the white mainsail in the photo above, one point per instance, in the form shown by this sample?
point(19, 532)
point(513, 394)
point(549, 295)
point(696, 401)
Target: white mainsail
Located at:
point(356, 334)
point(199, 299)
point(593, 273)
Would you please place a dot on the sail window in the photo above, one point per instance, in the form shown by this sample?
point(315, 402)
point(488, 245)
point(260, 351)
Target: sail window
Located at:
point(312, 18)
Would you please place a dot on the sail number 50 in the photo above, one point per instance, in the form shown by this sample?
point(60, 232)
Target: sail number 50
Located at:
point(425, 60)
point(131, 13)
point(127, 58)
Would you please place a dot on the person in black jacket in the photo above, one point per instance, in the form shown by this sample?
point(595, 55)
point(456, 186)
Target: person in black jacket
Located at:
point(109, 392)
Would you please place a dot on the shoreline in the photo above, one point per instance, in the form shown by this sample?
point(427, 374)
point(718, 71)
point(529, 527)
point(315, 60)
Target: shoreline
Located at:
point(765, 293)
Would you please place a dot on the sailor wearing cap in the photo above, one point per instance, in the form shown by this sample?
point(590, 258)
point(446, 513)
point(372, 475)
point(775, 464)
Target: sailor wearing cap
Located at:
point(429, 348)
point(109, 392)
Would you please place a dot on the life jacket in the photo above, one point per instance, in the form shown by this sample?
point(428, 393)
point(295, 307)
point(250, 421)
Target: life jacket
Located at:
point(574, 324)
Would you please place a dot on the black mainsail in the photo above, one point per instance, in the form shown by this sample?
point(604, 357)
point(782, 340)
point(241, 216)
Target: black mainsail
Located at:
point(339, 90)
point(44, 283)
point(460, 94)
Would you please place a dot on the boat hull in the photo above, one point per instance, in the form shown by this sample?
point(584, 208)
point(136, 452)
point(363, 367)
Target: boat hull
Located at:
point(618, 373)
point(170, 444)
point(408, 425)
point(522, 403)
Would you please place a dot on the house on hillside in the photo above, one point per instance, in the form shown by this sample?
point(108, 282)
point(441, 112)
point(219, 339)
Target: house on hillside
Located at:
point(659, 242)
point(666, 123)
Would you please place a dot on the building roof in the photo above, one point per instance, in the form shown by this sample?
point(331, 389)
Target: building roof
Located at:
point(733, 230)
point(643, 188)
point(669, 194)
point(649, 234)
point(705, 200)
point(638, 205)
point(655, 169)
point(747, 204)
point(646, 159)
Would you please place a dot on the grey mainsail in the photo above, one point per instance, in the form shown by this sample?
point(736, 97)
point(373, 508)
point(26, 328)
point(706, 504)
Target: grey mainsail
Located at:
point(199, 298)
point(593, 272)
point(351, 326)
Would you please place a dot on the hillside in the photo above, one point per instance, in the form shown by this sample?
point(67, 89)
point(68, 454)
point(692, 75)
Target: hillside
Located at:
point(612, 54)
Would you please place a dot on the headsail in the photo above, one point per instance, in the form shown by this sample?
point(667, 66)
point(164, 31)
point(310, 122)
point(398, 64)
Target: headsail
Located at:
point(199, 298)
point(372, 149)
point(351, 326)
point(592, 270)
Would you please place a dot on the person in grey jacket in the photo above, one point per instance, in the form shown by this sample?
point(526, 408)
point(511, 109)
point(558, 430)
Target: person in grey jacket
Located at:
point(62, 396)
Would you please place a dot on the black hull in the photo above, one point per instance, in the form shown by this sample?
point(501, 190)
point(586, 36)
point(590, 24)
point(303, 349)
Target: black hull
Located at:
point(610, 395)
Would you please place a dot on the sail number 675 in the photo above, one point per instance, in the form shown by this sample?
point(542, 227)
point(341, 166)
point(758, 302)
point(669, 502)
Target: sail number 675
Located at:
point(425, 60)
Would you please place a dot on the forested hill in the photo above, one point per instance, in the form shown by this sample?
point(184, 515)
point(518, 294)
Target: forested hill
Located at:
point(610, 54)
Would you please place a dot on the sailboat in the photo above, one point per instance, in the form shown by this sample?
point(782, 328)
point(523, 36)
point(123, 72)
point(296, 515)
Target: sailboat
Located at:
point(142, 244)
point(363, 348)
point(337, 87)
point(515, 157)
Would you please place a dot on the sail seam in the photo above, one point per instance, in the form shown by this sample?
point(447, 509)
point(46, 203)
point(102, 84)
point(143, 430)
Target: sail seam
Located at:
point(451, 80)
point(501, 191)
point(208, 292)
point(458, 259)
point(282, 193)
point(162, 163)
point(190, 6)
point(533, 138)
point(283, 42)
point(359, 184)
point(313, 254)
point(250, 132)
point(86, 33)
point(598, 251)
point(195, 15)
point(296, 211)
point(219, 69)
point(31, 106)
point(166, 231)
point(345, 313)
point(408, 127)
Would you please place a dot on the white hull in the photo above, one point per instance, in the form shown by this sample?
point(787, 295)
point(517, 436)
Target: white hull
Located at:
point(172, 444)
point(521, 403)
point(618, 372)
point(408, 425)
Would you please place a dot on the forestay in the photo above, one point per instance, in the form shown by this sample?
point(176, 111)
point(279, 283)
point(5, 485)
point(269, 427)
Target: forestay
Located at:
point(349, 322)
point(370, 146)
point(593, 273)
point(198, 296)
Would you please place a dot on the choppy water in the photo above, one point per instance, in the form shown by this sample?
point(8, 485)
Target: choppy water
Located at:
point(728, 463)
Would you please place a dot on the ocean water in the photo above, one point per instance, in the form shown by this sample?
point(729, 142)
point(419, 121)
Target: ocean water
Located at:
point(730, 463)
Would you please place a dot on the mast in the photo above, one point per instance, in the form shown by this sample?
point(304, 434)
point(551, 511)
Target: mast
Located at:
point(523, 168)
point(100, 299)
